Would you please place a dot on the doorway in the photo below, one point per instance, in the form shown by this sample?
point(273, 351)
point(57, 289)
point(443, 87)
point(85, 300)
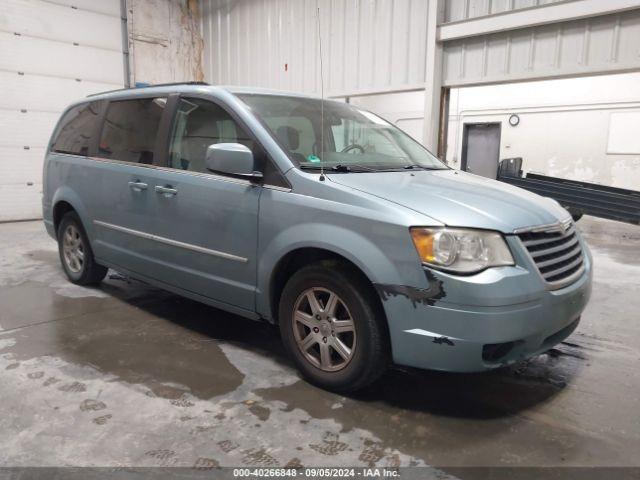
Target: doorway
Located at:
point(481, 148)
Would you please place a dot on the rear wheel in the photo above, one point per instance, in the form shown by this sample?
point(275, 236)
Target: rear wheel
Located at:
point(333, 327)
point(75, 252)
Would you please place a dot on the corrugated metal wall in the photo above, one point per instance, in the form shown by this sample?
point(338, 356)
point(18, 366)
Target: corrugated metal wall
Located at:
point(456, 10)
point(607, 43)
point(380, 45)
point(368, 45)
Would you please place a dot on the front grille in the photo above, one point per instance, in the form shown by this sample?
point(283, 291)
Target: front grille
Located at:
point(556, 252)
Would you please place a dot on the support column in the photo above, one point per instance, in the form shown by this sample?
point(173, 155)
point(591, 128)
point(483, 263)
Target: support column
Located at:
point(443, 132)
point(433, 76)
point(126, 61)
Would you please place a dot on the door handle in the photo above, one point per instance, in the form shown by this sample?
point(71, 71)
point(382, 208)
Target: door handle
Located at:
point(137, 186)
point(167, 191)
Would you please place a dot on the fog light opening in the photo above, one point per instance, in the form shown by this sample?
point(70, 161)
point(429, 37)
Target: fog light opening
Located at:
point(494, 352)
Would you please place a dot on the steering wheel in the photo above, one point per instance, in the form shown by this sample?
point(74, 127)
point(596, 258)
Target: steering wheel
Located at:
point(353, 146)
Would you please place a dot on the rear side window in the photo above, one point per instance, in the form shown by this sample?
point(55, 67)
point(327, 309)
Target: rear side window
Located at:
point(130, 129)
point(76, 129)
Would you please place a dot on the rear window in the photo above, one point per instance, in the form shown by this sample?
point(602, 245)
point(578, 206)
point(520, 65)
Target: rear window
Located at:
point(130, 129)
point(76, 129)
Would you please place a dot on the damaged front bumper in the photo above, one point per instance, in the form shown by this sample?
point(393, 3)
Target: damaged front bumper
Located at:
point(492, 319)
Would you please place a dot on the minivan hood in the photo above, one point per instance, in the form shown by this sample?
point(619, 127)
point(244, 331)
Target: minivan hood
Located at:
point(458, 198)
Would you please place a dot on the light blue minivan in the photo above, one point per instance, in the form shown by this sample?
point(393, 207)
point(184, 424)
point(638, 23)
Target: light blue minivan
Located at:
point(318, 216)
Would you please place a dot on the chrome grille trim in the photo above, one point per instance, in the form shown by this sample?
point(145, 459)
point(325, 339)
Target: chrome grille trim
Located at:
point(548, 251)
point(554, 236)
point(577, 250)
point(551, 227)
point(556, 252)
point(560, 270)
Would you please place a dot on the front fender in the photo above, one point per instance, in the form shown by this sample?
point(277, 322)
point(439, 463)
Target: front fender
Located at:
point(339, 240)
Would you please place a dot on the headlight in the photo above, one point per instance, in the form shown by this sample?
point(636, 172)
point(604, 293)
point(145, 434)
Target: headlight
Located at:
point(460, 250)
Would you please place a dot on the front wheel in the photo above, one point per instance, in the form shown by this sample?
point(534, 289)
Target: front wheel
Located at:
point(333, 327)
point(75, 252)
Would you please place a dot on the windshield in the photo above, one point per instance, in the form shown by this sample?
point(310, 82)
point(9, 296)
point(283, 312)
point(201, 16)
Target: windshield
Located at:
point(348, 140)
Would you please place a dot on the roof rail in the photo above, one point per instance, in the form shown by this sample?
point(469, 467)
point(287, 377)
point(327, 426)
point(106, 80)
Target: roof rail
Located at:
point(148, 86)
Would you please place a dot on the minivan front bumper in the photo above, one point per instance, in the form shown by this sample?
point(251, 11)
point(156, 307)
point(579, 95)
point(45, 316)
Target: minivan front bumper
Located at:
point(484, 321)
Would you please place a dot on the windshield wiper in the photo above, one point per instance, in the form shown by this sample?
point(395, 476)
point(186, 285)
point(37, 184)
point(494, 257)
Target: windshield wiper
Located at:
point(342, 168)
point(354, 167)
point(412, 166)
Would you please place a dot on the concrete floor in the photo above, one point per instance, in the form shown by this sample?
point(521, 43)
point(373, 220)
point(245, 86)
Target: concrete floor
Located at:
point(127, 375)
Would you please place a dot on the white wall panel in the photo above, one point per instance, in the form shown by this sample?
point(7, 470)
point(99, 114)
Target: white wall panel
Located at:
point(578, 128)
point(623, 133)
point(609, 43)
point(368, 45)
point(61, 23)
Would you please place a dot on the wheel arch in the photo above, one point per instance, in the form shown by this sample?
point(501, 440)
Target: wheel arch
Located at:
point(300, 257)
point(60, 209)
point(308, 242)
point(66, 200)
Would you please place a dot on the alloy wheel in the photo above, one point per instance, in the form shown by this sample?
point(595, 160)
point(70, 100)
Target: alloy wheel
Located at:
point(324, 329)
point(73, 249)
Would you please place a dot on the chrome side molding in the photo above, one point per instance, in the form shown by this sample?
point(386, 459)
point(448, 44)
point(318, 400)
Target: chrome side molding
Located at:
point(168, 241)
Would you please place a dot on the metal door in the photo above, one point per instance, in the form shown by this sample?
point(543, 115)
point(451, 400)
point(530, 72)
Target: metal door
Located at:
point(481, 148)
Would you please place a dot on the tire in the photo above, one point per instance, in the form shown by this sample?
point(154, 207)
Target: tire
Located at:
point(76, 254)
point(356, 308)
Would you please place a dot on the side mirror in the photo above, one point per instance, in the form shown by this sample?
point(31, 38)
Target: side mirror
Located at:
point(233, 159)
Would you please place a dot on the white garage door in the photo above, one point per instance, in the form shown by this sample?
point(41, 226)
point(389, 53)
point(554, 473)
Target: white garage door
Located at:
point(51, 53)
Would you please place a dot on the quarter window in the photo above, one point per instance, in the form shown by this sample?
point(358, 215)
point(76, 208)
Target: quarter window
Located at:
point(76, 129)
point(130, 129)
